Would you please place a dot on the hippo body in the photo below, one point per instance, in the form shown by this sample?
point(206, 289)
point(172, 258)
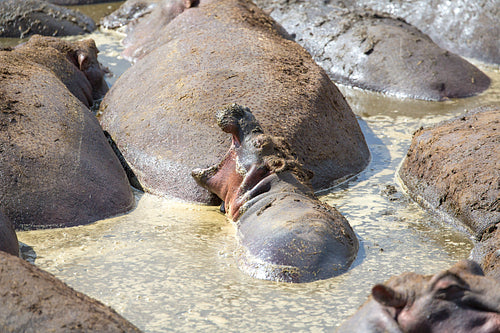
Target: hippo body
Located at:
point(77, 2)
point(457, 300)
point(56, 164)
point(28, 17)
point(453, 168)
point(285, 233)
point(36, 301)
point(378, 52)
point(129, 11)
point(465, 27)
point(164, 126)
point(8, 237)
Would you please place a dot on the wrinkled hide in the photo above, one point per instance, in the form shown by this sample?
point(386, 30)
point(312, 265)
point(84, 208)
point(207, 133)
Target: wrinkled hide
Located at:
point(374, 51)
point(24, 18)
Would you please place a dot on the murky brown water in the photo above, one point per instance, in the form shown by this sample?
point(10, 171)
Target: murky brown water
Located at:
point(169, 265)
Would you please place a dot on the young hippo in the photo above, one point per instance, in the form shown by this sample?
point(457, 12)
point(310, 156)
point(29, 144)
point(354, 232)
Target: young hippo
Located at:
point(285, 233)
point(457, 300)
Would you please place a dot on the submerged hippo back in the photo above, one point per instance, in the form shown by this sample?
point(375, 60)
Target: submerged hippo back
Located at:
point(213, 55)
point(56, 165)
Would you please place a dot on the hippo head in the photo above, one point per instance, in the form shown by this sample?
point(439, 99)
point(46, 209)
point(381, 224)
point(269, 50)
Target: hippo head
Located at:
point(457, 300)
point(86, 60)
point(254, 156)
point(75, 63)
point(284, 232)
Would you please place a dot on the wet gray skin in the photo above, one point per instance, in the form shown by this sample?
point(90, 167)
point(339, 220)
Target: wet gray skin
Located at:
point(28, 17)
point(56, 164)
point(285, 233)
point(465, 27)
point(460, 299)
point(378, 52)
point(77, 2)
point(129, 11)
point(8, 238)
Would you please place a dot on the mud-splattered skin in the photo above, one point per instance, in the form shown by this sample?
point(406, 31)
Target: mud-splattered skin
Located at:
point(75, 64)
point(378, 52)
point(458, 300)
point(28, 17)
point(164, 126)
point(129, 11)
point(36, 301)
point(453, 168)
point(8, 238)
point(285, 232)
point(56, 165)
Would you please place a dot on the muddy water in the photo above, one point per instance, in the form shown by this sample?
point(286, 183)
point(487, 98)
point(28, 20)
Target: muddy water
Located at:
point(169, 265)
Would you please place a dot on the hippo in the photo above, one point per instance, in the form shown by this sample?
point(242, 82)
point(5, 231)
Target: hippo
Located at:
point(36, 301)
point(285, 233)
point(56, 164)
point(142, 35)
point(130, 10)
point(22, 19)
point(378, 52)
point(76, 65)
point(8, 237)
point(453, 168)
point(465, 27)
point(164, 126)
point(460, 299)
point(77, 2)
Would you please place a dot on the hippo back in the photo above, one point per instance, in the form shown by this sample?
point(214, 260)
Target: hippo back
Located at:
point(56, 164)
point(165, 125)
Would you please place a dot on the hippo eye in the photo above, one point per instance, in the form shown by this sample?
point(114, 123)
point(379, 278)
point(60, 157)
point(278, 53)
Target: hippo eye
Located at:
point(450, 292)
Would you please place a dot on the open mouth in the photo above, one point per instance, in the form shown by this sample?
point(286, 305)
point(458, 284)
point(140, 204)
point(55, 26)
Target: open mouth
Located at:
point(236, 141)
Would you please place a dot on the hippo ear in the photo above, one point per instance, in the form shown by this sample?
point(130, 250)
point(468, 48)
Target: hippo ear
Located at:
point(388, 296)
point(190, 3)
point(82, 59)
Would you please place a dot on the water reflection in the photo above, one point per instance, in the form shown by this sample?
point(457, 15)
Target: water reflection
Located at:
point(169, 265)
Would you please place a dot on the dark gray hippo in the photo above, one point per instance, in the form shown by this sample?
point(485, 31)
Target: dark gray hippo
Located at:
point(57, 167)
point(160, 111)
point(29, 17)
point(129, 11)
point(459, 300)
point(377, 51)
point(284, 232)
point(77, 2)
point(466, 27)
point(8, 237)
point(36, 301)
point(453, 168)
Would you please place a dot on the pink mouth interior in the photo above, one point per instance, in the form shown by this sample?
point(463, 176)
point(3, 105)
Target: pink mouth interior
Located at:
point(236, 141)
